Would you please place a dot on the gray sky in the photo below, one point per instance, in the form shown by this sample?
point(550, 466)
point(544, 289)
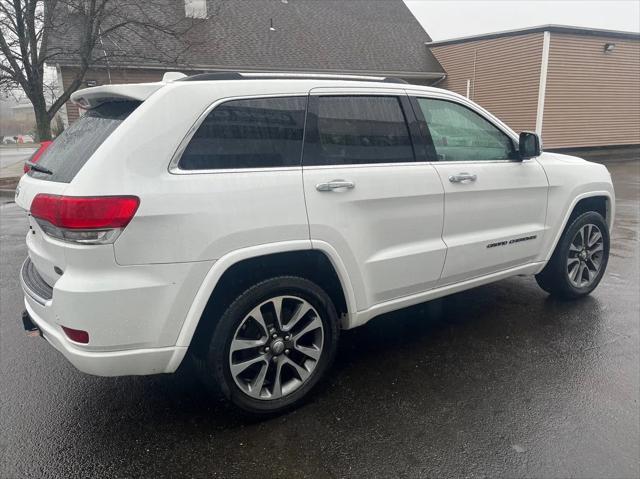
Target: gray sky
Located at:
point(456, 18)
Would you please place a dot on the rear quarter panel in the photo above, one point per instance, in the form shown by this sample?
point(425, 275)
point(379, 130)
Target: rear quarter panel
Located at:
point(193, 217)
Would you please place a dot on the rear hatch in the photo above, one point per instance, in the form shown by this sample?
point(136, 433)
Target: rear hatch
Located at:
point(56, 169)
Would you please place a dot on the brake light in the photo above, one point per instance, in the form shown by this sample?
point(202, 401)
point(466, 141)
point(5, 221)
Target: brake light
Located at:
point(36, 156)
point(84, 219)
point(76, 335)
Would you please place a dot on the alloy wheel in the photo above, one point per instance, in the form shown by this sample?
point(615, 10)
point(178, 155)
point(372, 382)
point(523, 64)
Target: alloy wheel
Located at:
point(276, 347)
point(584, 260)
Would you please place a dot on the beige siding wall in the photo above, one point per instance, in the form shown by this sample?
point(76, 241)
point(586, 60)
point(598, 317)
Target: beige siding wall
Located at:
point(102, 78)
point(506, 79)
point(592, 98)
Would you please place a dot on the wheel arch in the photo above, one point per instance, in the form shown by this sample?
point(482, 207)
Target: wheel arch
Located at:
point(237, 271)
point(599, 201)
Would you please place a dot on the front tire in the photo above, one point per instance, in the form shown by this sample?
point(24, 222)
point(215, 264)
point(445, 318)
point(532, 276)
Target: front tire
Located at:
point(579, 260)
point(272, 345)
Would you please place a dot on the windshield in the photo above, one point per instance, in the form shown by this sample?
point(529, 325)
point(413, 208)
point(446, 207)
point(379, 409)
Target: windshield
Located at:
point(71, 150)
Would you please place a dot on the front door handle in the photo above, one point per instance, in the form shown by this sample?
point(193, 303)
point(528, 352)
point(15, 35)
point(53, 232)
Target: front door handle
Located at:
point(335, 185)
point(463, 178)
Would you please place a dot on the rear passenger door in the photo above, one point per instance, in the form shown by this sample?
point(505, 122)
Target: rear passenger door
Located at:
point(370, 193)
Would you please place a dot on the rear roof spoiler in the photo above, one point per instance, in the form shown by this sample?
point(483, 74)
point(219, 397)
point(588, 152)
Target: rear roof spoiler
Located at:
point(88, 98)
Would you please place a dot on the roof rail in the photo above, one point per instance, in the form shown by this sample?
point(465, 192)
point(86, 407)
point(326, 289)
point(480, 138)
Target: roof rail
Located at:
point(286, 76)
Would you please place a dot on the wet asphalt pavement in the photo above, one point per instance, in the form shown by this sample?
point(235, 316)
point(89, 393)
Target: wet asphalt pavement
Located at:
point(499, 381)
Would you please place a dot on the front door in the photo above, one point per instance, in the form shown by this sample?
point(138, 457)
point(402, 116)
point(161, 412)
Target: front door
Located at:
point(495, 205)
point(368, 197)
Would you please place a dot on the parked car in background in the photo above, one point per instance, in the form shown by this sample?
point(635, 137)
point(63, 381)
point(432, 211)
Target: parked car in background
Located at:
point(245, 219)
point(20, 139)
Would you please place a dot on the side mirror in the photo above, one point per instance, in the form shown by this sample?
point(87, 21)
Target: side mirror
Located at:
point(529, 145)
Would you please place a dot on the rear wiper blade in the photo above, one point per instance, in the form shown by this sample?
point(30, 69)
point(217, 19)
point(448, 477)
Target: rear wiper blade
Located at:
point(40, 168)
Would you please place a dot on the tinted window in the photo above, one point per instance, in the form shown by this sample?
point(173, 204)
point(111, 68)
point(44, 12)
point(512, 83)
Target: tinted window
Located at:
point(460, 134)
point(71, 150)
point(256, 133)
point(360, 130)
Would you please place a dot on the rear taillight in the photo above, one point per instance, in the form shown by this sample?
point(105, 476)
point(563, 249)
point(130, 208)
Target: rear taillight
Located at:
point(36, 156)
point(84, 219)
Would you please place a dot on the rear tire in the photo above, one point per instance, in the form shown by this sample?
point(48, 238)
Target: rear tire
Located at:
point(579, 260)
point(266, 361)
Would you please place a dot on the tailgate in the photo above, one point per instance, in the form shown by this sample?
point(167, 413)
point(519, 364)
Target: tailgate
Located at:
point(55, 170)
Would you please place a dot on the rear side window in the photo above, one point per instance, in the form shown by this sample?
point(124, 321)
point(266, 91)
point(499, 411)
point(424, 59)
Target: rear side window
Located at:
point(359, 130)
point(71, 150)
point(252, 133)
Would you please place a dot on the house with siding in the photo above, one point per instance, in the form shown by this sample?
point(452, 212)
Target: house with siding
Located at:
point(361, 37)
point(577, 87)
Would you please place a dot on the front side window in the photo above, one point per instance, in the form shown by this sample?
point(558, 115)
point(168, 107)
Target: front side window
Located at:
point(360, 130)
point(252, 133)
point(460, 134)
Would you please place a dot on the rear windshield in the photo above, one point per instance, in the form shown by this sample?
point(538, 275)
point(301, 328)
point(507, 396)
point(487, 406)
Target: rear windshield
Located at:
point(71, 150)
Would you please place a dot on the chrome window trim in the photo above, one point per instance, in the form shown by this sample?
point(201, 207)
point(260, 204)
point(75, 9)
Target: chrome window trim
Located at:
point(174, 167)
point(413, 163)
point(462, 101)
point(369, 165)
point(395, 92)
point(221, 171)
point(479, 162)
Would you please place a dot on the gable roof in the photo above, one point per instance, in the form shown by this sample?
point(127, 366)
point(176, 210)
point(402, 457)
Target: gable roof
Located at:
point(380, 36)
point(542, 28)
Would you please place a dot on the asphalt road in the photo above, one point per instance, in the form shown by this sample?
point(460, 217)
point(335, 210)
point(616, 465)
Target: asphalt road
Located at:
point(10, 156)
point(500, 381)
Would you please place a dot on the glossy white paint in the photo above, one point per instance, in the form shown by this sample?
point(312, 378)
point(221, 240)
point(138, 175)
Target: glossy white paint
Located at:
point(361, 317)
point(507, 201)
point(403, 235)
point(94, 96)
point(387, 230)
point(572, 179)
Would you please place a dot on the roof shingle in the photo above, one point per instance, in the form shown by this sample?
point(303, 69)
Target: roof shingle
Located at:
point(313, 35)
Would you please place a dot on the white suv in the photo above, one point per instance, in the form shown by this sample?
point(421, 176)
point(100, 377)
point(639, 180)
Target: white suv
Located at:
point(246, 219)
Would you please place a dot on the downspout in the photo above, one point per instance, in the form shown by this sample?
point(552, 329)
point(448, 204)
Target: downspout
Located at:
point(542, 87)
point(473, 82)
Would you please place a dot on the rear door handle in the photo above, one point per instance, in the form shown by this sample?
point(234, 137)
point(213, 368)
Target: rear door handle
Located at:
point(335, 185)
point(463, 178)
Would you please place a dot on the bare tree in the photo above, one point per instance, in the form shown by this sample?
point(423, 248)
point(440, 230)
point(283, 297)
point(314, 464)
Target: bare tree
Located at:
point(95, 33)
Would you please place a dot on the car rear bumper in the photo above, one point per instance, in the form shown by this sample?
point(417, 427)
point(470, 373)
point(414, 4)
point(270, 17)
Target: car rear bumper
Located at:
point(108, 363)
point(132, 315)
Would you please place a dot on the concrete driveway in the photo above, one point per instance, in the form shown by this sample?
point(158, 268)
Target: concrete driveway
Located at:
point(500, 381)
